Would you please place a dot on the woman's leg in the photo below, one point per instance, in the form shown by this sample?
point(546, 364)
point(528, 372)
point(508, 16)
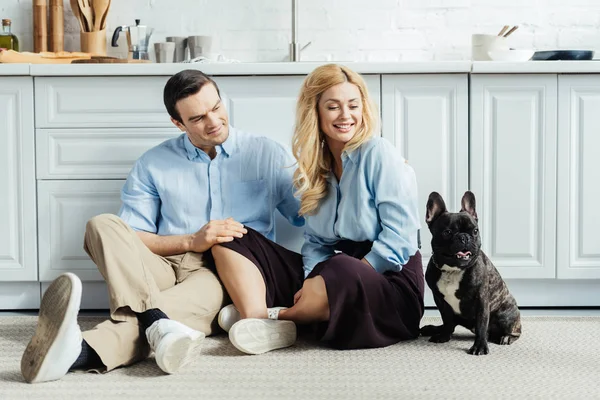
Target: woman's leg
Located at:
point(313, 305)
point(243, 282)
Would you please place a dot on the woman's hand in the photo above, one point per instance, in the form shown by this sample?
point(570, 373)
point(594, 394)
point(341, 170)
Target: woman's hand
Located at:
point(297, 296)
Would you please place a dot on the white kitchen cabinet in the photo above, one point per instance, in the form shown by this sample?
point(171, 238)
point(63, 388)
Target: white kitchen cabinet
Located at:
point(94, 153)
point(100, 102)
point(578, 214)
point(513, 171)
point(18, 261)
point(426, 118)
point(64, 208)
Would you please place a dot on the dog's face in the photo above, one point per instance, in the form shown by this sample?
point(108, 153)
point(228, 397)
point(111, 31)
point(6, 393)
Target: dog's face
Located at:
point(455, 236)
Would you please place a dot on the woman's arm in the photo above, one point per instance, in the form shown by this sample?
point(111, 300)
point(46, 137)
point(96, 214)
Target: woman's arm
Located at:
point(394, 186)
point(315, 250)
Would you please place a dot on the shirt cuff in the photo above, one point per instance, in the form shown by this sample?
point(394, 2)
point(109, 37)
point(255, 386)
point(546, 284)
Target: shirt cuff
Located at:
point(380, 264)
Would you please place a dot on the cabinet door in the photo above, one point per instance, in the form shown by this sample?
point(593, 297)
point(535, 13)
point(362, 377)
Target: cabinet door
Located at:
point(426, 117)
point(18, 261)
point(101, 102)
point(64, 207)
point(578, 184)
point(94, 153)
point(267, 106)
point(513, 171)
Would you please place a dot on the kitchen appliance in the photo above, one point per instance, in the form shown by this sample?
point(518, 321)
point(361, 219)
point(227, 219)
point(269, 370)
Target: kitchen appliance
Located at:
point(138, 37)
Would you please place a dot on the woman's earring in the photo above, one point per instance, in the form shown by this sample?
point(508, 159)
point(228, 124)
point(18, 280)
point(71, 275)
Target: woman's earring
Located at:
point(322, 143)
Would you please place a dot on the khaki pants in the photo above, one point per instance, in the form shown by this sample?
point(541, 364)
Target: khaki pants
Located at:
point(139, 280)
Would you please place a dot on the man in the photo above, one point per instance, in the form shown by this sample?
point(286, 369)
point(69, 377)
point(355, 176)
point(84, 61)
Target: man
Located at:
point(212, 185)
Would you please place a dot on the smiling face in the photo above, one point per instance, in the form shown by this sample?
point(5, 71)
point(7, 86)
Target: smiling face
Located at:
point(204, 119)
point(340, 114)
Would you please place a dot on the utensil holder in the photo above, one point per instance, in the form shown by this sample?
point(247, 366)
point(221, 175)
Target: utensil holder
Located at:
point(481, 44)
point(93, 42)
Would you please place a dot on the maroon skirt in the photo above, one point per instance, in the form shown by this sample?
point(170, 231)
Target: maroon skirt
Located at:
point(368, 309)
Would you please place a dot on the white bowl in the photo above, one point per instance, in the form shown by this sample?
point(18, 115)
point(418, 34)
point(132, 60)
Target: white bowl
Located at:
point(511, 55)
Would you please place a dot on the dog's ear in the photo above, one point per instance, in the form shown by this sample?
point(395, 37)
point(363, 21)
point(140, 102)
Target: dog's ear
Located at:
point(468, 204)
point(435, 207)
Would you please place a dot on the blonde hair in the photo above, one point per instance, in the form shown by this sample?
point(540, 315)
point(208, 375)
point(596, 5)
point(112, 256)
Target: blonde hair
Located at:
point(310, 150)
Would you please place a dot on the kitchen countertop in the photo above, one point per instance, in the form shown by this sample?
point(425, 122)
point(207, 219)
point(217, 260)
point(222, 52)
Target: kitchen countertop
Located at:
point(536, 67)
point(14, 69)
point(303, 68)
point(276, 68)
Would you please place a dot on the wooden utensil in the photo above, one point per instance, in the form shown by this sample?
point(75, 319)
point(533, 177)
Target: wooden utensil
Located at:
point(77, 14)
point(514, 28)
point(503, 30)
point(86, 11)
point(100, 9)
point(104, 16)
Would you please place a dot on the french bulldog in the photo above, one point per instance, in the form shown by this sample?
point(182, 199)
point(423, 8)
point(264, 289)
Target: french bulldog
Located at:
point(468, 290)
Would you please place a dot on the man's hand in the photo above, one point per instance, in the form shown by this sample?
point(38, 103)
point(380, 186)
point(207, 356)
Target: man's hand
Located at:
point(215, 232)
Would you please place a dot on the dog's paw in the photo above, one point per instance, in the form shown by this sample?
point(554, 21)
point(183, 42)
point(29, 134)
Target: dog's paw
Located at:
point(430, 330)
point(506, 340)
point(440, 338)
point(479, 348)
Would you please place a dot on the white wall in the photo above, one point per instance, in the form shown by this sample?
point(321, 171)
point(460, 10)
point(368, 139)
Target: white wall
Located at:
point(343, 30)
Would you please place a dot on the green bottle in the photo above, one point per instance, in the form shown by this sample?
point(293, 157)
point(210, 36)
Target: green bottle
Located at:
point(7, 39)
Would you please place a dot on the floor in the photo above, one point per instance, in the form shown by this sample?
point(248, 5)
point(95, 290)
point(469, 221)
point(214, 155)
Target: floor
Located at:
point(556, 358)
point(430, 312)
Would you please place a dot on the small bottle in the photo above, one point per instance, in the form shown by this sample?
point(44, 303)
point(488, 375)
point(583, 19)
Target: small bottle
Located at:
point(8, 40)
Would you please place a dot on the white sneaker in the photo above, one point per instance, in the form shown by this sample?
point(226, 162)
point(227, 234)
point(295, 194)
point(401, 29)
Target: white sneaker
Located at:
point(257, 336)
point(229, 315)
point(56, 343)
point(175, 345)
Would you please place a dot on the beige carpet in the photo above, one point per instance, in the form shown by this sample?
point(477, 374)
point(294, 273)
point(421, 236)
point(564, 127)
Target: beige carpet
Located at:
point(557, 357)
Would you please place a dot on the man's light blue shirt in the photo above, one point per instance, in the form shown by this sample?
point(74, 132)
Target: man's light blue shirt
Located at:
point(376, 200)
point(175, 188)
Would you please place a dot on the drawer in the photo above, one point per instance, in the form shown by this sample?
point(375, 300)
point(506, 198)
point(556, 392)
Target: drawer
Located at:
point(100, 102)
point(64, 207)
point(94, 153)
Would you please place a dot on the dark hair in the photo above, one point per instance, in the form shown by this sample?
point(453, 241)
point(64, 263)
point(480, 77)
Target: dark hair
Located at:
point(181, 85)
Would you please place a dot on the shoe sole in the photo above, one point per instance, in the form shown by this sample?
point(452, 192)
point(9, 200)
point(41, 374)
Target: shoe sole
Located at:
point(258, 336)
point(60, 302)
point(178, 352)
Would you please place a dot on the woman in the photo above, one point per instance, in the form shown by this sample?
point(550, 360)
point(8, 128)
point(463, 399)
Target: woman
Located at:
point(364, 277)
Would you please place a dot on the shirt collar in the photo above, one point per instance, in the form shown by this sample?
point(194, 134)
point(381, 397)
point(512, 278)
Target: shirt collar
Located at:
point(228, 147)
point(353, 155)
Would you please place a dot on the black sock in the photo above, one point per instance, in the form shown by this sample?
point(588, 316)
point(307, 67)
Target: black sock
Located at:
point(149, 317)
point(88, 358)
